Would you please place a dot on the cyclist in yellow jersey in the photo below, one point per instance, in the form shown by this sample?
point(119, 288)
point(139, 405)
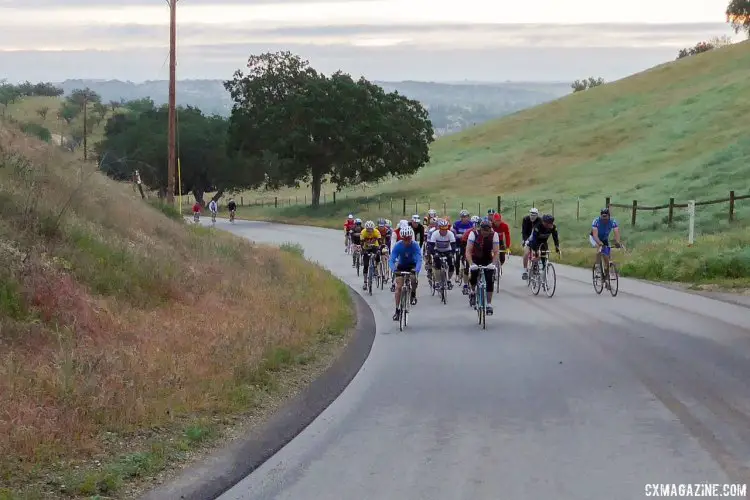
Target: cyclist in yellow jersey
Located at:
point(371, 241)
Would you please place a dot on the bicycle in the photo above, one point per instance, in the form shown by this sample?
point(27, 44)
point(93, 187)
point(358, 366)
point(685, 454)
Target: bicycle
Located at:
point(372, 272)
point(196, 217)
point(442, 284)
point(384, 272)
point(598, 276)
point(499, 266)
point(348, 242)
point(539, 276)
point(405, 300)
point(480, 302)
point(356, 256)
point(231, 216)
point(213, 218)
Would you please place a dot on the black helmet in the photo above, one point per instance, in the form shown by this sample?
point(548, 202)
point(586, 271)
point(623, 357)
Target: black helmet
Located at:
point(485, 224)
point(604, 211)
point(548, 219)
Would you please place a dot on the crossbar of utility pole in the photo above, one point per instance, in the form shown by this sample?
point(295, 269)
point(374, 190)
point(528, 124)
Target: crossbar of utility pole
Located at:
point(172, 125)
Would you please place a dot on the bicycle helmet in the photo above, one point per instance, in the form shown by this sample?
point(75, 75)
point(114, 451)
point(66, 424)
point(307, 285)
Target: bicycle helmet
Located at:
point(604, 211)
point(533, 212)
point(358, 221)
point(351, 216)
point(369, 225)
point(485, 224)
point(388, 222)
point(432, 212)
point(548, 219)
point(444, 224)
point(491, 211)
point(475, 219)
point(463, 213)
point(407, 232)
point(381, 222)
point(416, 218)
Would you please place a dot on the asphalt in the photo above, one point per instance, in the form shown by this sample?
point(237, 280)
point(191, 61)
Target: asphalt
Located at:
point(578, 396)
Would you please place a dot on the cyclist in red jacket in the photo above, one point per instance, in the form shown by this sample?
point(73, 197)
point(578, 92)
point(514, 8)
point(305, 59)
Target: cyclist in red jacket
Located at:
point(348, 226)
point(503, 232)
point(196, 211)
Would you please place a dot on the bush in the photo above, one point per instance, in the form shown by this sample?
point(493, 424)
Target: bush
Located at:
point(37, 130)
point(293, 248)
point(697, 49)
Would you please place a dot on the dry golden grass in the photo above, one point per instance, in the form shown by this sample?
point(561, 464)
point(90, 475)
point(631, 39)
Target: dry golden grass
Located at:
point(115, 318)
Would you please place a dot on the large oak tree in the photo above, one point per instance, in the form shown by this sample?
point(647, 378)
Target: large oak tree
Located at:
point(293, 124)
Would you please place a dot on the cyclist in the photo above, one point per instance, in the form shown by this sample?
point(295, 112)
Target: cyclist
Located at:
point(385, 230)
point(371, 241)
point(232, 207)
point(527, 226)
point(418, 228)
point(475, 219)
point(406, 256)
point(541, 234)
point(196, 211)
point(348, 225)
point(599, 236)
point(483, 247)
point(503, 231)
point(355, 233)
point(430, 217)
point(443, 242)
point(213, 207)
point(461, 226)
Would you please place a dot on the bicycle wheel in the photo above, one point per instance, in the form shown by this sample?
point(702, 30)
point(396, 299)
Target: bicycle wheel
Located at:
point(483, 309)
point(550, 280)
point(614, 279)
point(597, 278)
point(479, 301)
point(443, 288)
point(536, 279)
point(370, 272)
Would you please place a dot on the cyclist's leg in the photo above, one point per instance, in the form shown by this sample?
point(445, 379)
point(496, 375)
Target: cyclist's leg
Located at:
point(473, 278)
point(489, 277)
point(451, 268)
point(365, 267)
point(399, 281)
point(437, 270)
point(526, 253)
point(414, 283)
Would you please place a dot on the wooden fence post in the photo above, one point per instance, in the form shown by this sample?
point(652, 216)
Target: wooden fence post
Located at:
point(731, 206)
point(334, 197)
point(515, 211)
point(445, 210)
point(416, 206)
point(671, 211)
point(242, 201)
point(553, 208)
point(479, 208)
point(499, 204)
point(606, 202)
point(429, 204)
point(404, 206)
point(635, 209)
point(296, 200)
point(275, 202)
point(578, 208)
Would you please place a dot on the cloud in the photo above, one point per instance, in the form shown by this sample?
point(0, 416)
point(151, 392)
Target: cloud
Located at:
point(435, 36)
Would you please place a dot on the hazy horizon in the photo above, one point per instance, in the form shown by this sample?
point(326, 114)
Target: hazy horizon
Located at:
point(440, 41)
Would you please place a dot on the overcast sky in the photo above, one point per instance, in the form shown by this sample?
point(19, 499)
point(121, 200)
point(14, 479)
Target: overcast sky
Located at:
point(438, 40)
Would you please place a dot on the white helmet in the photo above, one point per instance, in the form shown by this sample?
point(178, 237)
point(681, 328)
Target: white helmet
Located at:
point(464, 213)
point(351, 216)
point(432, 212)
point(475, 219)
point(403, 223)
point(534, 212)
point(358, 221)
point(388, 222)
point(416, 218)
point(369, 225)
point(407, 232)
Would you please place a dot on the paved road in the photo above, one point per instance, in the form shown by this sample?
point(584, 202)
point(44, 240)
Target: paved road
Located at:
point(575, 397)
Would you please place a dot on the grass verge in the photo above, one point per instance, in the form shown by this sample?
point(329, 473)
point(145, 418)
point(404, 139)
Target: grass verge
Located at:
point(130, 341)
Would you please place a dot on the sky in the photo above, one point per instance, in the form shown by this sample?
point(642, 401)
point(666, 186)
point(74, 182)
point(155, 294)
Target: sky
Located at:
point(433, 40)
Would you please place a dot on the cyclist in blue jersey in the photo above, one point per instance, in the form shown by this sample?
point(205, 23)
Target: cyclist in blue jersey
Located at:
point(405, 256)
point(601, 227)
point(462, 225)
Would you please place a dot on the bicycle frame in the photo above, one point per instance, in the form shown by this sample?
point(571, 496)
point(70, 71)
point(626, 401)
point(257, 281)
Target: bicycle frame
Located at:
point(481, 294)
point(405, 298)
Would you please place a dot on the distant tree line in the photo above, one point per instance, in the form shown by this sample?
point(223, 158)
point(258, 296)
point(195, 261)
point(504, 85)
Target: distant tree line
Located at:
point(9, 93)
point(700, 47)
point(289, 124)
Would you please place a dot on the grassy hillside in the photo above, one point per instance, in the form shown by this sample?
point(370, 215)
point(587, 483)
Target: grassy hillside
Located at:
point(678, 130)
point(129, 339)
point(26, 111)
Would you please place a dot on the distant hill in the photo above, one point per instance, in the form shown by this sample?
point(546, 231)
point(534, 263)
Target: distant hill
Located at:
point(452, 106)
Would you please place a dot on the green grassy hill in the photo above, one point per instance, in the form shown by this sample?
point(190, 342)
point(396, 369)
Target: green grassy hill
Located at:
point(677, 130)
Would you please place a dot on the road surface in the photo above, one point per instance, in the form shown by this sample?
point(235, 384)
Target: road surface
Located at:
point(575, 397)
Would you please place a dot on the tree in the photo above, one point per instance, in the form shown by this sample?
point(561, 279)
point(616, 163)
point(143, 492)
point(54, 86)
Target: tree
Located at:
point(738, 15)
point(291, 124)
point(138, 106)
point(8, 94)
point(68, 112)
point(591, 82)
point(138, 142)
point(42, 112)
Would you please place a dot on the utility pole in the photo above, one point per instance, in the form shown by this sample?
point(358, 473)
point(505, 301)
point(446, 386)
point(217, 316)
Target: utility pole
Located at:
point(85, 124)
point(172, 65)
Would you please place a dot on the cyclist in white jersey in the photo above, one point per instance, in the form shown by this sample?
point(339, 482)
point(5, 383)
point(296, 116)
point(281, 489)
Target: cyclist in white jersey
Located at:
point(443, 242)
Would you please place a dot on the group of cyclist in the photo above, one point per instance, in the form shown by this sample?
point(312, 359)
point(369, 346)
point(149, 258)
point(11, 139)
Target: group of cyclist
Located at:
point(213, 207)
point(472, 241)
